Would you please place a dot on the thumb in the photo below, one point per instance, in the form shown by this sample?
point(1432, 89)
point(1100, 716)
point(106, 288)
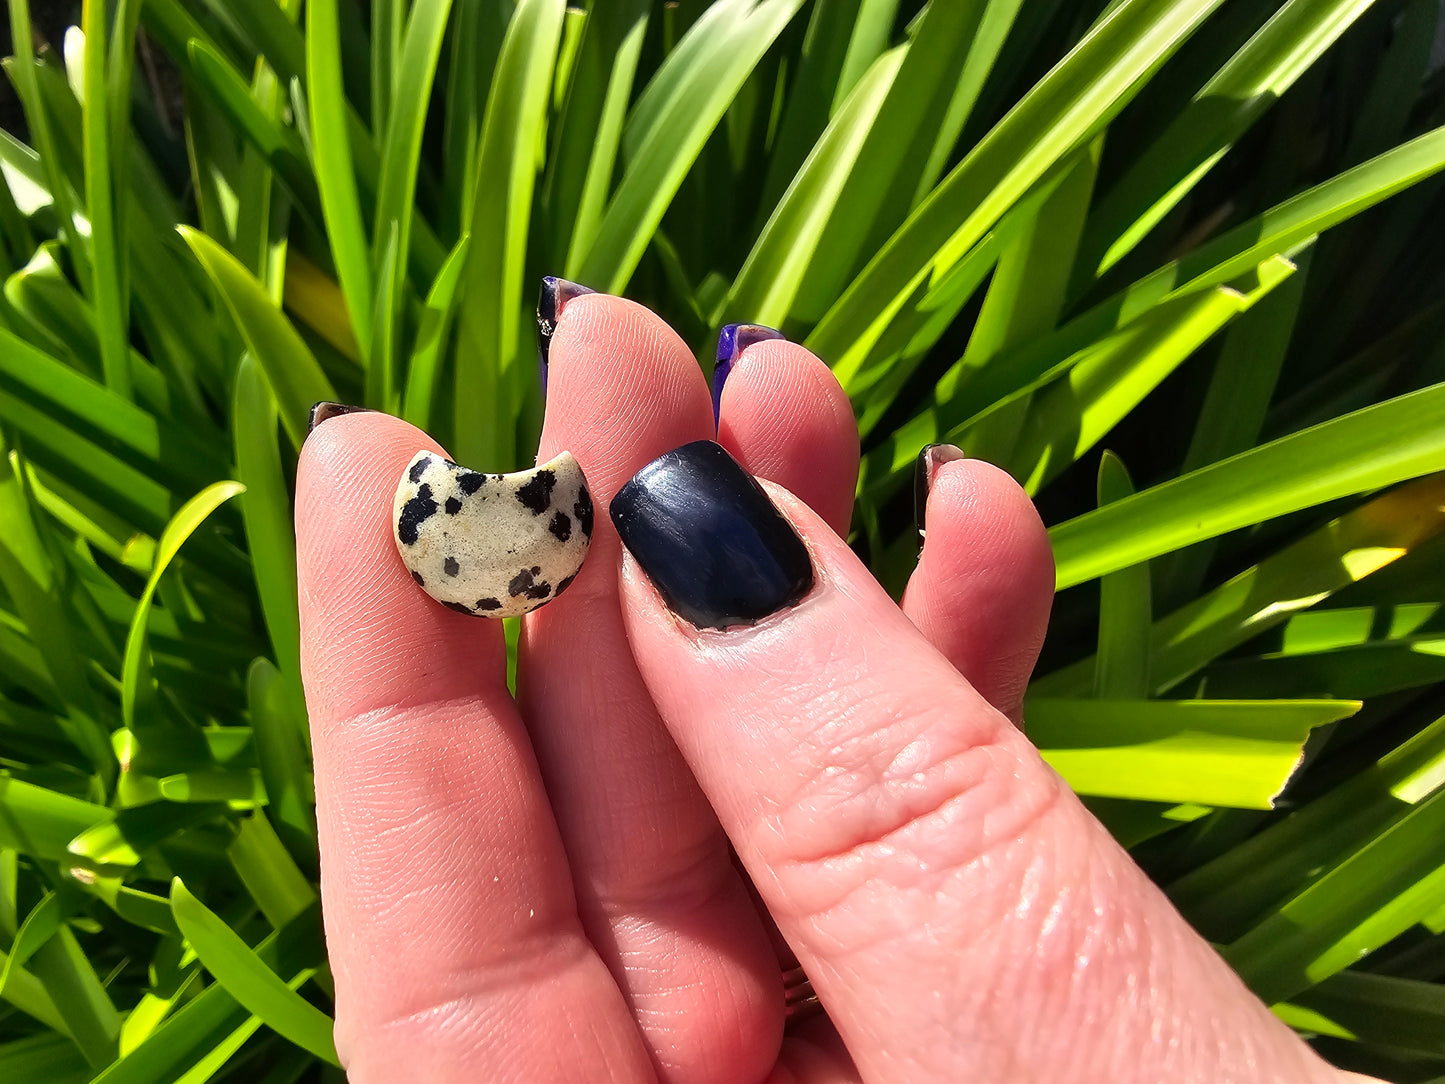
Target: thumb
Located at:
point(959, 912)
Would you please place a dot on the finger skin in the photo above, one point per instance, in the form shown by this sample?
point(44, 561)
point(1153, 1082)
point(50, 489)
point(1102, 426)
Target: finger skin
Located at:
point(656, 887)
point(985, 580)
point(450, 920)
point(786, 418)
point(960, 914)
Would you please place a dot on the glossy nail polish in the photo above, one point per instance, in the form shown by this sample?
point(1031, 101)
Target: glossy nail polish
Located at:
point(709, 538)
point(731, 342)
point(551, 300)
point(323, 412)
point(929, 460)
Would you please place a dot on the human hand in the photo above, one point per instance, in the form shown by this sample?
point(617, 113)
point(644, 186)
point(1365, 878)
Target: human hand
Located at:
point(543, 889)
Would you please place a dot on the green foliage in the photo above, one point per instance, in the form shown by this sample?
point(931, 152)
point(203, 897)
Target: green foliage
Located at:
point(1201, 233)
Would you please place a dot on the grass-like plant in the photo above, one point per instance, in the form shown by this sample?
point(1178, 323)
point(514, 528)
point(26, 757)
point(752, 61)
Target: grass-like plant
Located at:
point(1205, 234)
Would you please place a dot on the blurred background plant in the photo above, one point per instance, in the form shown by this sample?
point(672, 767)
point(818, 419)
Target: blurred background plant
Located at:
point(1204, 234)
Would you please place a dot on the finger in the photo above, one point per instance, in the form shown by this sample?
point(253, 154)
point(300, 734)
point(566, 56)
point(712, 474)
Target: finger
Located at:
point(943, 889)
point(656, 886)
point(786, 418)
point(450, 918)
point(985, 580)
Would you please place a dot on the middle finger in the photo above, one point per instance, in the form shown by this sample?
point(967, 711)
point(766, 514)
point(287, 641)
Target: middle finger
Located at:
point(657, 891)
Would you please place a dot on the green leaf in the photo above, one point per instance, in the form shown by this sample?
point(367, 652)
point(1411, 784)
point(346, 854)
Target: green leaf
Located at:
point(295, 376)
point(249, 980)
point(51, 1058)
point(672, 121)
point(1369, 449)
point(768, 284)
point(1212, 752)
point(1370, 896)
point(277, 715)
point(432, 337)
point(1227, 895)
point(207, 1025)
point(135, 673)
point(1063, 111)
point(488, 377)
point(108, 281)
point(1397, 1012)
point(40, 925)
point(589, 130)
point(332, 160)
point(40, 822)
point(1121, 668)
point(266, 511)
point(401, 148)
point(1200, 134)
point(1233, 413)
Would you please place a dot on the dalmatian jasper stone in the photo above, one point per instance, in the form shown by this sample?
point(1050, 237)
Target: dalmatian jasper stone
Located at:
point(493, 545)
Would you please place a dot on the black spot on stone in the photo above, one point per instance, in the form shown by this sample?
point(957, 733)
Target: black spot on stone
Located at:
point(453, 506)
point(418, 469)
point(561, 526)
point(583, 510)
point(470, 482)
point(460, 607)
point(450, 566)
point(526, 583)
point(414, 513)
point(565, 584)
point(537, 494)
point(489, 604)
point(417, 576)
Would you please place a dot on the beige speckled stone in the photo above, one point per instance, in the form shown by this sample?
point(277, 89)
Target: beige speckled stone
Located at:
point(493, 545)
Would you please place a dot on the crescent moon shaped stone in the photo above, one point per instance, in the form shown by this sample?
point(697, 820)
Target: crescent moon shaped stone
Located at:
point(492, 545)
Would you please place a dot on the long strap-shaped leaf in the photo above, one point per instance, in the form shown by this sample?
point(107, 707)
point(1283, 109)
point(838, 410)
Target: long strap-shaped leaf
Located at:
point(668, 130)
point(335, 174)
point(296, 376)
point(1237, 753)
point(1369, 449)
point(1225, 107)
point(488, 378)
point(247, 978)
point(191, 515)
point(1075, 100)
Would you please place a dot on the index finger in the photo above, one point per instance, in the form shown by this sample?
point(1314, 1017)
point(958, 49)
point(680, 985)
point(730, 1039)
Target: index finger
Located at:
point(450, 916)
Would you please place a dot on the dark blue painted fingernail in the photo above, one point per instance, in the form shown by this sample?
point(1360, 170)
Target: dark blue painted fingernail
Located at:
point(552, 299)
point(709, 538)
point(930, 459)
point(323, 412)
point(731, 342)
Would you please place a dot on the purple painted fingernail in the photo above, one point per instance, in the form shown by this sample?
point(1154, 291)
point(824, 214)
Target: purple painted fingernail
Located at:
point(731, 342)
point(552, 299)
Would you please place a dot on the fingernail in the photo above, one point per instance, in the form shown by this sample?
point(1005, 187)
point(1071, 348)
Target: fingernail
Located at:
point(709, 538)
point(552, 299)
point(492, 545)
point(930, 459)
point(731, 342)
point(324, 412)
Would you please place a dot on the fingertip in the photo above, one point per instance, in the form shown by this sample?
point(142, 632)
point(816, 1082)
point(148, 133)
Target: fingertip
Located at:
point(786, 418)
point(984, 584)
point(370, 635)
